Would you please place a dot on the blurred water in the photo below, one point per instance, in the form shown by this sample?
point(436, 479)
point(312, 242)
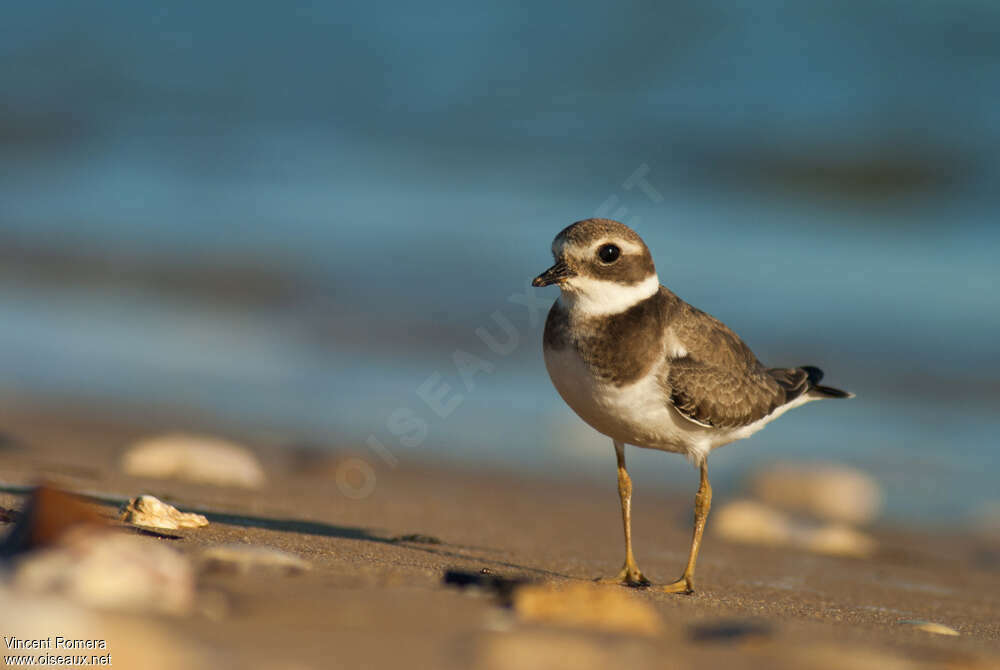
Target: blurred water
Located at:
point(292, 217)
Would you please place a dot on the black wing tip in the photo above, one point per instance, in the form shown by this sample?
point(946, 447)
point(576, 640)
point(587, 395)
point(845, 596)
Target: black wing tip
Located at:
point(815, 375)
point(830, 392)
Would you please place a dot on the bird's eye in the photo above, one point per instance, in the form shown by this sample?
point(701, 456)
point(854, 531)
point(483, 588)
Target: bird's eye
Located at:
point(609, 253)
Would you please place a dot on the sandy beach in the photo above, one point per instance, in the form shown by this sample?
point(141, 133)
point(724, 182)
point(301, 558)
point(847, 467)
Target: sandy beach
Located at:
point(375, 593)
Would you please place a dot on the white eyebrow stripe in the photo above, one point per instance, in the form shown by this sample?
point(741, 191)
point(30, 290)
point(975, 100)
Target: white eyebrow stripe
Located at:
point(559, 247)
point(625, 245)
point(584, 254)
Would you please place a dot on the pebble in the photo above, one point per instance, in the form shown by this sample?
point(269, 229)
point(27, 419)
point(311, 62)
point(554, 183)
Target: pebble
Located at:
point(247, 558)
point(586, 606)
point(826, 491)
point(756, 523)
point(836, 540)
point(931, 627)
point(196, 458)
point(107, 569)
point(752, 522)
point(732, 631)
point(48, 514)
point(484, 581)
point(151, 512)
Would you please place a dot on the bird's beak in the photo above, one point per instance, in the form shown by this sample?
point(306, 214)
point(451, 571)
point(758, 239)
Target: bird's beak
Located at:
point(554, 275)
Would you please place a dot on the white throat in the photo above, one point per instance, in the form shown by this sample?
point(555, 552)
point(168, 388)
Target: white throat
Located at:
point(586, 296)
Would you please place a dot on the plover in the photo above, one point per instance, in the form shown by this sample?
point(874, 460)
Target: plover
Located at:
point(645, 368)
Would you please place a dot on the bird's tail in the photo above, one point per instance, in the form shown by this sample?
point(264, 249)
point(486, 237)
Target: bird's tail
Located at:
point(805, 380)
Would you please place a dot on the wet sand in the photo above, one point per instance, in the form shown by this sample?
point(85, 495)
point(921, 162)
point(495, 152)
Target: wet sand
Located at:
point(376, 597)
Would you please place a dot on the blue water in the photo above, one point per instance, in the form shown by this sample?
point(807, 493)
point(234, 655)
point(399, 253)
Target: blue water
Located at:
point(405, 172)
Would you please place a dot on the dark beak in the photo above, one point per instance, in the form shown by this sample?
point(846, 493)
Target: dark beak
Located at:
point(553, 275)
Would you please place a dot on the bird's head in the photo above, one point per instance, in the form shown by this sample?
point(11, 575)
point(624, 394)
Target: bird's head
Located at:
point(601, 267)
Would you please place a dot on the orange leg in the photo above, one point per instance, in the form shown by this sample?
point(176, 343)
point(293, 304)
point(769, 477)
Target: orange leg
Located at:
point(629, 575)
point(702, 504)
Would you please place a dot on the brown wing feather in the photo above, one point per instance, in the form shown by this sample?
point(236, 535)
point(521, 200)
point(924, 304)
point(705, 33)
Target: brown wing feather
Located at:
point(714, 397)
point(719, 382)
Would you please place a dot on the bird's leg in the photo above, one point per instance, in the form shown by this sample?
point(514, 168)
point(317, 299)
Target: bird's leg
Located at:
point(702, 504)
point(630, 574)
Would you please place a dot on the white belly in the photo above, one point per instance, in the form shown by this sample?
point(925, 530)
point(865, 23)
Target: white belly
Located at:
point(637, 414)
point(640, 414)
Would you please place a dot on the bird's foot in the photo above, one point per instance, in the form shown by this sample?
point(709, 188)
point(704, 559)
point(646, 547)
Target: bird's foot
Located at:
point(683, 585)
point(629, 575)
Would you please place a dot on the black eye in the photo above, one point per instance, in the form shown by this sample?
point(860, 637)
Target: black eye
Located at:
point(609, 253)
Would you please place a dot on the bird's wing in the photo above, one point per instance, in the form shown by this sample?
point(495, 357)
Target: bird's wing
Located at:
point(715, 397)
point(713, 378)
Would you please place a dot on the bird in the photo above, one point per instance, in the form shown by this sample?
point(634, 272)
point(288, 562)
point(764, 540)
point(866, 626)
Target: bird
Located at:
point(643, 367)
